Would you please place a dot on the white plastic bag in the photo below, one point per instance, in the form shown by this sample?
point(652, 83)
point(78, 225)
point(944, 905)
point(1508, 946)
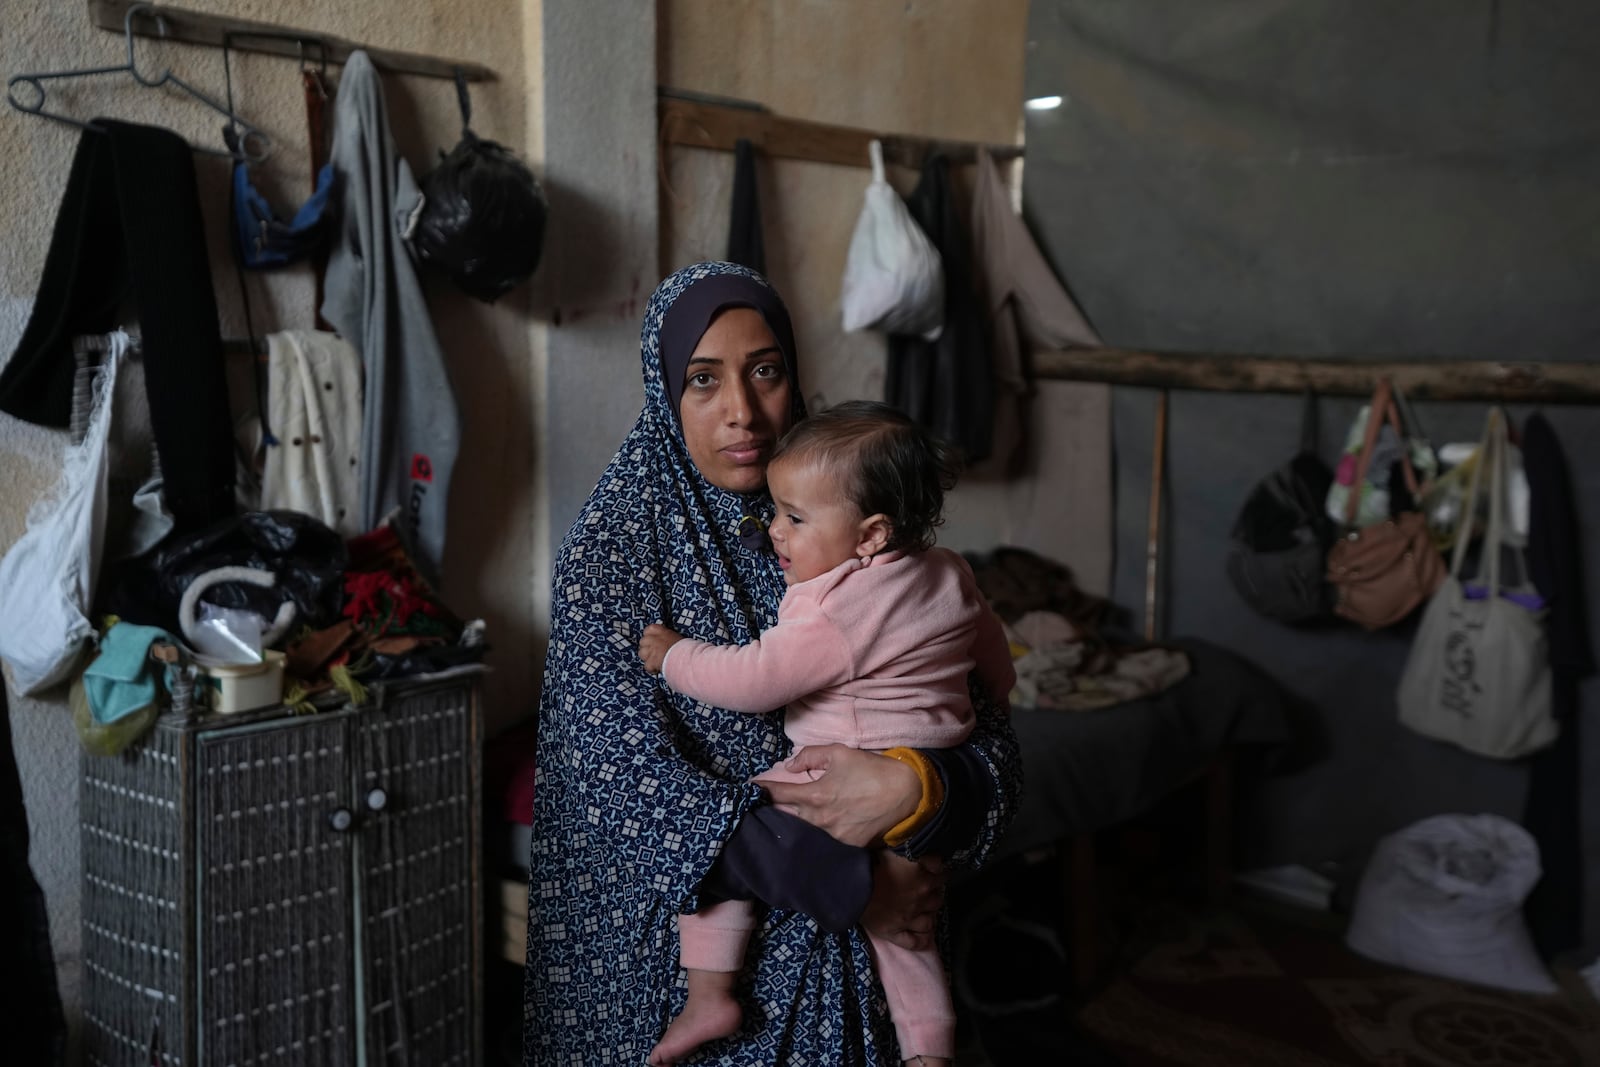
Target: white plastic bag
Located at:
point(893, 277)
point(226, 637)
point(47, 580)
point(1444, 896)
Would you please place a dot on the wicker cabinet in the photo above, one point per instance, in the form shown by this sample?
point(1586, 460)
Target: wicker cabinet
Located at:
point(275, 889)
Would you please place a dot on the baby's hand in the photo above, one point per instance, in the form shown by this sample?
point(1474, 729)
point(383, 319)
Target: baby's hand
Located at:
point(654, 644)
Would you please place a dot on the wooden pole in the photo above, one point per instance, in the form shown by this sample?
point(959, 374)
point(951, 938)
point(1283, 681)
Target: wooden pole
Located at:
point(1152, 548)
point(310, 46)
point(700, 123)
point(1422, 379)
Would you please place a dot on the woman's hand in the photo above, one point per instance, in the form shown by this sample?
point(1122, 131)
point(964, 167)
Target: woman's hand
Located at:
point(858, 796)
point(906, 898)
point(654, 644)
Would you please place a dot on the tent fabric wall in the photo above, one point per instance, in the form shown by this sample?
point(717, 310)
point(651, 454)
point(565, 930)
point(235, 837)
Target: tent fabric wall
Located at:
point(1314, 179)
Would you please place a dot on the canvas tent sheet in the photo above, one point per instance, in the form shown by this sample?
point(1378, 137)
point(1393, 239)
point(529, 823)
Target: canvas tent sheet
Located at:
point(1316, 178)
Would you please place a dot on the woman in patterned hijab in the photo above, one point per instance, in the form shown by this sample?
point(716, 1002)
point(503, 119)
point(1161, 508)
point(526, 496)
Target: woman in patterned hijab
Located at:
point(639, 790)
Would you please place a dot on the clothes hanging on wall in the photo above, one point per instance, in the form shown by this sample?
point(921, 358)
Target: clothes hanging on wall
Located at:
point(38, 1033)
point(946, 385)
point(265, 239)
point(314, 409)
point(1027, 306)
point(130, 225)
point(1555, 563)
point(411, 428)
point(1059, 432)
point(746, 244)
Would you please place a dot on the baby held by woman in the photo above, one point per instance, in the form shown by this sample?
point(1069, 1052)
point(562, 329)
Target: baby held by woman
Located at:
point(874, 643)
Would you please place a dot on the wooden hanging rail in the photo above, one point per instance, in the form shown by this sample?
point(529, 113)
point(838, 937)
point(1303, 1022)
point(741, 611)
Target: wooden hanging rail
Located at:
point(703, 122)
point(1441, 379)
point(195, 27)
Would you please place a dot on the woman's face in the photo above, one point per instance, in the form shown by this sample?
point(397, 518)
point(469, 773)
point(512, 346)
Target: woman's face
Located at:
point(735, 401)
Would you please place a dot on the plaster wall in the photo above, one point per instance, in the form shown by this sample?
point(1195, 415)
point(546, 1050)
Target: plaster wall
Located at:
point(937, 68)
point(497, 560)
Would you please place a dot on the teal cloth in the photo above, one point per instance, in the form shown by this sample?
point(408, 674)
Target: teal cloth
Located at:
point(123, 679)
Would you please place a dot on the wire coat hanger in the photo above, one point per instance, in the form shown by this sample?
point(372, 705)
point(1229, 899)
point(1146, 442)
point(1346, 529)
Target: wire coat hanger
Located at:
point(254, 144)
point(239, 132)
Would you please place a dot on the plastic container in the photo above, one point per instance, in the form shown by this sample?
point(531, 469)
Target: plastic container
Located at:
point(243, 688)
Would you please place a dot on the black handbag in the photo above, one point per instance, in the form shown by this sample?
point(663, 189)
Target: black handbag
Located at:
point(1278, 556)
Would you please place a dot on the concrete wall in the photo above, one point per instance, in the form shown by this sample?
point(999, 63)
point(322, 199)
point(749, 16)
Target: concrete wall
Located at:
point(497, 561)
point(937, 68)
point(599, 77)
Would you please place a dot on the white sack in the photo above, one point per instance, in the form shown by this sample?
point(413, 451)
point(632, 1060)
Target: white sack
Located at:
point(1444, 896)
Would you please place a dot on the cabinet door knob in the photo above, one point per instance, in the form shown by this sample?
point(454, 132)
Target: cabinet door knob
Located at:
point(377, 799)
point(341, 819)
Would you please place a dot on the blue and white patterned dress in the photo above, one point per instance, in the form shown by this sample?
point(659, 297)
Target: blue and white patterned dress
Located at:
point(638, 787)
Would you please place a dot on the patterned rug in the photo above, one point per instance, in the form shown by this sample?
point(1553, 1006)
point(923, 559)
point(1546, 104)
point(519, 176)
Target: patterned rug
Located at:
point(1246, 989)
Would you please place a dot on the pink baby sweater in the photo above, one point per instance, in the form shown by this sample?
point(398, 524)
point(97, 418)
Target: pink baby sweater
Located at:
point(872, 654)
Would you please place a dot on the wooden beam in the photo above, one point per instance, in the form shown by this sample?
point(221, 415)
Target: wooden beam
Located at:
point(1422, 379)
point(700, 123)
point(195, 27)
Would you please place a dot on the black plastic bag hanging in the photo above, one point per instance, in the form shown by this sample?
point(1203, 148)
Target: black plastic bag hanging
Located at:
point(483, 213)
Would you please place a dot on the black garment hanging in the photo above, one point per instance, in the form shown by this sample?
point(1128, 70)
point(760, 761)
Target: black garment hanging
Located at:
point(38, 1034)
point(746, 246)
point(1554, 909)
point(946, 385)
point(130, 225)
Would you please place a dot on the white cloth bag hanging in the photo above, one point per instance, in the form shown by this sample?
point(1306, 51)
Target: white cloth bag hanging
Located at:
point(893, 276)
point(1478, 674)
point(47, 580)
point(314, 411)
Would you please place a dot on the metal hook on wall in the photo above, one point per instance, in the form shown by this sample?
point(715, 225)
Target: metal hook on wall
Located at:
point(133, 64)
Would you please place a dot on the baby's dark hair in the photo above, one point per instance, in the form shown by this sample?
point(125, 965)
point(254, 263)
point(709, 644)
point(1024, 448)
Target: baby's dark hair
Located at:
point(884, 461)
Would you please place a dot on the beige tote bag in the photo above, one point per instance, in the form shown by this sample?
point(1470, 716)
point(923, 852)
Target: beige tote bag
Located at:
point(1479, 671)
